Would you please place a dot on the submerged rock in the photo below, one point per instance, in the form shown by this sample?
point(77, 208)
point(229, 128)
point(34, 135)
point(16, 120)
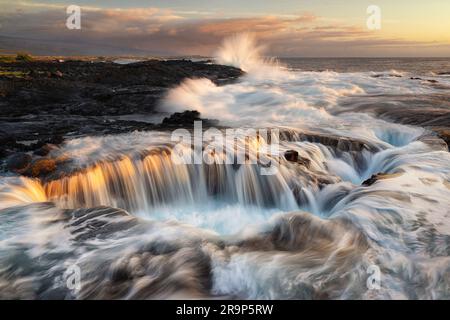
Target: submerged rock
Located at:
point(379, 176)
point(78, 98)
point(291, 155)
point(18, 162)
point(436, 142)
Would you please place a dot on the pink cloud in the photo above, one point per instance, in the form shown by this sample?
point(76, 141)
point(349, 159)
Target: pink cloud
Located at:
point(158, 31)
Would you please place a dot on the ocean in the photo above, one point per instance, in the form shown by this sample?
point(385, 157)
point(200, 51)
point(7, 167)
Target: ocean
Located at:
point(418, 66)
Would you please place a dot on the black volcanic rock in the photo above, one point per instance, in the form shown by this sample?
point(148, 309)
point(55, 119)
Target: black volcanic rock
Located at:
point(339, 143)
point(18, 162)
point(95, 89)
point(431, 111)
point(187, 119)
point(50, 100)
point(291, 155)
point(379, 176)
point(44, 150)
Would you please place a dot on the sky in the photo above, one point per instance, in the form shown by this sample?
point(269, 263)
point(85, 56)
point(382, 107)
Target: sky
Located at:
point(287, 28)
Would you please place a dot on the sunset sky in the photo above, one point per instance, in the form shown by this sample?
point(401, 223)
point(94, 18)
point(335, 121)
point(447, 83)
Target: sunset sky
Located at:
point(309, 28)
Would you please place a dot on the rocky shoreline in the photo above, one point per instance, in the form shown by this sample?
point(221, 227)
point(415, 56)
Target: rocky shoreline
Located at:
point(42, 102)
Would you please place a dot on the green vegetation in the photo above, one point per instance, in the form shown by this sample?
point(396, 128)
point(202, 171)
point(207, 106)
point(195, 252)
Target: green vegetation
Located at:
point(7, 59)
point(20, 57)
point(25, 57)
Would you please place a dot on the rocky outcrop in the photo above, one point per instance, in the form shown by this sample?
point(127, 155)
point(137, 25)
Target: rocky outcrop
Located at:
point(51, 100)
point(338, 143)
point(379, 176)
point(293, 156)
point(186, 119)
point(429, 111)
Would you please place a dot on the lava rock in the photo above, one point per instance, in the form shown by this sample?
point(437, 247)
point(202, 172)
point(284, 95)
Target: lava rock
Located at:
point(186, 119)
point(291, 155)
point(379, 176)
point(18, 162)
point(444, 134)
point(336, 142)
point(371, 180)
point(42, 167)
point(75, 98)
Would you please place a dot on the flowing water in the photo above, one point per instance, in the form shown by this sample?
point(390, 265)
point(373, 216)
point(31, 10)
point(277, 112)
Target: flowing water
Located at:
point(138, 224)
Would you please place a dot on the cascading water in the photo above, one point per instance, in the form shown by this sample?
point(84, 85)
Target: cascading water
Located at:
point(140, 225)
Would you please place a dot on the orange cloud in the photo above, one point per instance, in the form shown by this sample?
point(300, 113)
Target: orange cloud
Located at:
point(154, 31)
point(261, 25)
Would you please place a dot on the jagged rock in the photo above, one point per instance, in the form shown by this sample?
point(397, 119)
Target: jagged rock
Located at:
point(44, 150)
point(182, 118)
point(42, 167)
point(186, 119)
point(77, 98)
point(379, 176)
point(371, 180)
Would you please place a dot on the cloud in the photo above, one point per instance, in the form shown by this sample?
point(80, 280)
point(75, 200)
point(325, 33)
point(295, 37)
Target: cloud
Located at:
point(40, 29)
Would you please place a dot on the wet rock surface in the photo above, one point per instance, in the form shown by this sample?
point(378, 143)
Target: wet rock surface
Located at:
point(338, 143)
point(186, 119)
point(48, 101)
point(379, 176)
point(18, 162)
